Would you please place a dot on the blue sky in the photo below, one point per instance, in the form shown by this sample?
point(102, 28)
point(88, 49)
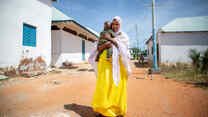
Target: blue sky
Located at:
point(93, 13)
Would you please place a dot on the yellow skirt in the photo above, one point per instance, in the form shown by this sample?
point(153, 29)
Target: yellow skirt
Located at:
point(109, 99)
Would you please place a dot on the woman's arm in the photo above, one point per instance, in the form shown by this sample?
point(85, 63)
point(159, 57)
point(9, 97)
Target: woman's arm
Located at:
point(108, 37)
point(104, 46)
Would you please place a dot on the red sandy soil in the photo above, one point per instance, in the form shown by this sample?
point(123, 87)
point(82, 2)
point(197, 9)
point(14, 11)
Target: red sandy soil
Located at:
point(69, 94)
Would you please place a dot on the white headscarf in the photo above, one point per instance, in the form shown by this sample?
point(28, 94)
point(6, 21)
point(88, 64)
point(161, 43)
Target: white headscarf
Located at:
point(118, 19)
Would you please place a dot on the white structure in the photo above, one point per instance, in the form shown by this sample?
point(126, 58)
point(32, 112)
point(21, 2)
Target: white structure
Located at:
point(26, 33)
point(175, 39)
point(20, 20)
point(71, 41)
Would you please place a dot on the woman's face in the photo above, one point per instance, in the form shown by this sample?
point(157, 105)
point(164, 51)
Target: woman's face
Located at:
point(115, 26)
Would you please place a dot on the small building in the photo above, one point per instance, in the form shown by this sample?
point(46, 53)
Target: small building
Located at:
point(25, 30)
point(71, 41)
point(34, 28)
point(175, 39)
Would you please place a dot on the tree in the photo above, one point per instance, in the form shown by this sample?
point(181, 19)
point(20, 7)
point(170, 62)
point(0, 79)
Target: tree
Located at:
point(204, 62)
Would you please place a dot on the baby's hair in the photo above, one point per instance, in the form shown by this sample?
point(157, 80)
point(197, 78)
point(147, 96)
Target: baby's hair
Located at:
point(107, 22)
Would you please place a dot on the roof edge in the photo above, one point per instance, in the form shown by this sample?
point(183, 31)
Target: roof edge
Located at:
point(78, 25)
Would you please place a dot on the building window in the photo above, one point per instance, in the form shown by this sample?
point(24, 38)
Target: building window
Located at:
point(29, 35)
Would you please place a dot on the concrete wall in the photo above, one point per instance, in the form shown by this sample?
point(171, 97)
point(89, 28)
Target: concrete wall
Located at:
point(174, 47)
point(67, 47)
point(56, 46)
point(13, 14)
point(88, 48)
point(174, 53)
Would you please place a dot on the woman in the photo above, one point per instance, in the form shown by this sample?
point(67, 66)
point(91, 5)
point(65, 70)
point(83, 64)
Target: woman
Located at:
point(110, 94)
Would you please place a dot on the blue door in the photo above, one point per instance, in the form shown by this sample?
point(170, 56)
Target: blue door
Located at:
point(83, 50)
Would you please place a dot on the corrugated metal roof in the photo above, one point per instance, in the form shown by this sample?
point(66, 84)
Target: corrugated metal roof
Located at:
point(187, 24)
point(57, 15)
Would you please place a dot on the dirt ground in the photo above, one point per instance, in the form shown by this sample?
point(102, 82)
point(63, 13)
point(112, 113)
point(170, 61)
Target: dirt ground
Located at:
point(69, 94)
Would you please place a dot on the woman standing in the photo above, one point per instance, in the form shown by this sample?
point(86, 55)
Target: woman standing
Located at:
point(110, 94)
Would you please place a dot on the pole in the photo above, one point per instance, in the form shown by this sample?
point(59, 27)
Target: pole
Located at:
point(137, 41)
point(155, 65)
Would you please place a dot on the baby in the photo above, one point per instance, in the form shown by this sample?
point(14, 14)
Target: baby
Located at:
point(102, 40)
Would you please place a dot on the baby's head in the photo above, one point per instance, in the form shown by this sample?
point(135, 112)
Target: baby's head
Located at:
point(107, 25)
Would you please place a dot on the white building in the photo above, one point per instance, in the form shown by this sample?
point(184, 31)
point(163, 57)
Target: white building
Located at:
point(25, 30)
point(175, 39)
point(71, 41)
point(26, 33)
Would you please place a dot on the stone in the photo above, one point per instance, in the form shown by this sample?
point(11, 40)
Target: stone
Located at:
point(67, 65)
point(56, 82)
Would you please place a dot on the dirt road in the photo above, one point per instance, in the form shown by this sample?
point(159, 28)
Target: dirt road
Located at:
point(69, 94)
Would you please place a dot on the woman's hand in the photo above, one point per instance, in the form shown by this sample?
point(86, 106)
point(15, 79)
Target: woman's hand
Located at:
point(108, 37)
point(114, 43)
point(104, 46)
point(108, 45)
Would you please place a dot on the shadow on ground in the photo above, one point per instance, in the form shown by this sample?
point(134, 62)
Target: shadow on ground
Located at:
point(82, 110)
point(200, 84)
point(84, 69)
point(69, 67)
point(140, 78)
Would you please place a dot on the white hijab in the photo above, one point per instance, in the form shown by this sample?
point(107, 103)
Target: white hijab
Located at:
point(122, 50)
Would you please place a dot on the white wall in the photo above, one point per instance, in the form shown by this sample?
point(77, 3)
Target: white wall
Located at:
point(149, 49)
point(69, 46)
point(173, 54)
point(56, 45)
point(88, 48)
point(174, 47)
point(13, 14)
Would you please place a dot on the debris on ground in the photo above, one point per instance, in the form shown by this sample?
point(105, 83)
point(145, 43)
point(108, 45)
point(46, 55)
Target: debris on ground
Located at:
point(29, 67)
